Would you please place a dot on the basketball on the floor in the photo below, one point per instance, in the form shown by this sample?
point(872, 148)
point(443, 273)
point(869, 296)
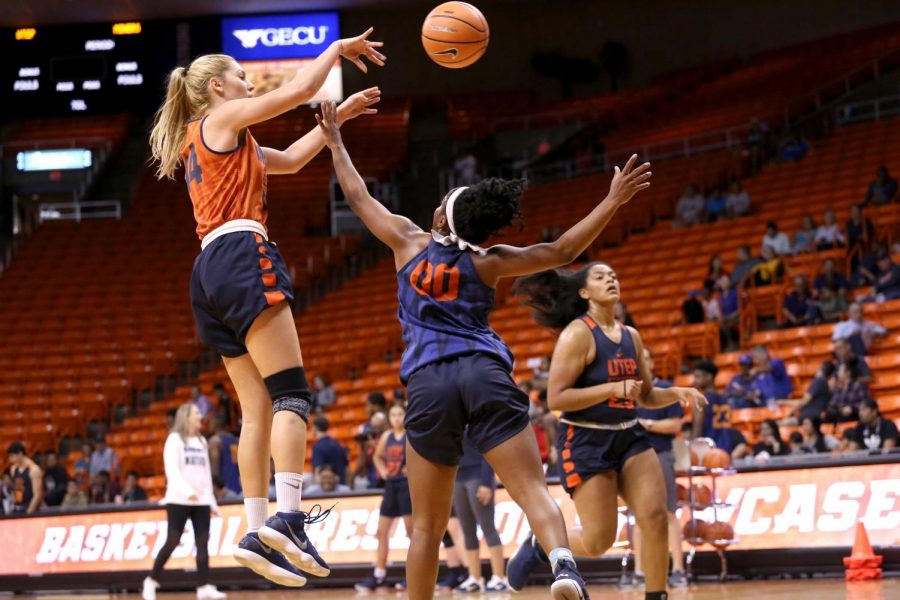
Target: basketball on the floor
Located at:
point(455, 35)
point(695, 530)
point(719, 530)
point(716, 459)
point(702, 494)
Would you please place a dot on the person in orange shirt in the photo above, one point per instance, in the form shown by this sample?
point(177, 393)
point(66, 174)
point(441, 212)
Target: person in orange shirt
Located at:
point(240, 287)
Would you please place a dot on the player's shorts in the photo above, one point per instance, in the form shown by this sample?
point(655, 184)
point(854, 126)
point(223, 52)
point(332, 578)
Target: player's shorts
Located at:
point(396, 501)
point(667, 461)
point(474, 390)
point(585, 452)
point(235, 278)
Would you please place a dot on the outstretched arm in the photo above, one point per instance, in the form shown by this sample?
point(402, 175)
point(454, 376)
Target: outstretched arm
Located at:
point(511, 261)
point(654, 397)
point(394, 230)
point(298, 154)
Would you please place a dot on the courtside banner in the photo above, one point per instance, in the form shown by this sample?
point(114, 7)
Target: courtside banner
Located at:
point(802, 508)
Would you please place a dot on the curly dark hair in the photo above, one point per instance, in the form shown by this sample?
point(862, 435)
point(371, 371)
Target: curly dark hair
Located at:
point(554, 295)
point(487, 207)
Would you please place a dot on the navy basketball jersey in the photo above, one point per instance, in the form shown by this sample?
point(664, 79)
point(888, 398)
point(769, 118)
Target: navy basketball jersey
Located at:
point(717, 421)
point(613, 362)
point(395, 455)
point(444, 309)
point(228, 464)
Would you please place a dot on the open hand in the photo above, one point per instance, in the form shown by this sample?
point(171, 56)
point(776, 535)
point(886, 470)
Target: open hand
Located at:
point(691, 397)
point(328, 121)
point(628, 181)
point(353, 49)
point(359, 104)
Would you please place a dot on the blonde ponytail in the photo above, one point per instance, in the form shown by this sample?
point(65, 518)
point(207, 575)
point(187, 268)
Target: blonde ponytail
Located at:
point(187, 96)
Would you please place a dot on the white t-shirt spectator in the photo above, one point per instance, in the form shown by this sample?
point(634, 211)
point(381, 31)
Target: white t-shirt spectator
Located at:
point(865, 329)
point(829, 234)
point(738, 203)
point(690, 207)
point(780, 243)
point(187, 471)
point(104, 460)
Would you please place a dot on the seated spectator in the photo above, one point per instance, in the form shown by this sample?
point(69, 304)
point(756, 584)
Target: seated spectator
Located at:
point(770, 269)
point(622, 314)
point(887, 286)
point(715, 205)
point(737, 201)
point(831, 278)
point(689, 210)
point(225, 401)
point(860, 229)
point(874, 432)
point(74, 498)
point(201, 401)
point(375, 403)
point(364, 474)
point(132, 492)
point(323, 393)
point(744, 266)
point(712, 312)
point(103, 488)
point(327, 483)
point(883, 190)
point(715, 272)
point(796, 444)
point(829, 234)
point(816, 441)
point(742, 391)
point(55, 479)
point(223, 493)
point(772, 378)
point(326, 450)
point(843, 353)
point(866, 269)
point(771, 443)
point(817, 396)
point(847, 394)
point(692, 309)
point(793, 148)
point(778, 241)
point(730, 307)
point(82, 470)
point(104, 458)
point(832, 306)
point(804, 238)
point(798, 306)
point(861, 334)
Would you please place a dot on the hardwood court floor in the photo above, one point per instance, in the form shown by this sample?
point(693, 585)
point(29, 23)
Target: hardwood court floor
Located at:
point(824, 589)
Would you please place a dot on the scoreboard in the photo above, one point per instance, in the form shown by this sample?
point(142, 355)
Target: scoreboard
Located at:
point(92, 68)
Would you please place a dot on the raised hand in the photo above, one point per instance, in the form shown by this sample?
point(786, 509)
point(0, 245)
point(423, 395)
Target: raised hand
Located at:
point(628, 181)
point(359, 104)
point(328, 121)
point(353, 49)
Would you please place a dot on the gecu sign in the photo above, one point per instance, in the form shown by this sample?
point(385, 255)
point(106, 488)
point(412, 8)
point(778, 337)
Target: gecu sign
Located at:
point(282, 36)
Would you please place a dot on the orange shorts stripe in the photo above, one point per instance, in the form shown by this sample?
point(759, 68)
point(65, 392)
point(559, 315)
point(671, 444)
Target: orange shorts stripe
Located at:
point(573, 480)
point(258, 238)
point(566, 454)
point(262, 249)
point(274, 297)
point(265, 264)
point(568, 466)
point(269, 279)
point(570, 433)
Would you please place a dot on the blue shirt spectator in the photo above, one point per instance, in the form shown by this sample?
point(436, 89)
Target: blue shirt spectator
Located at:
point(772, 378)
point(742, 391)
point(744, 265)
point(830, 278)
point(715, 204)
point(883, 189)
point(327, 450)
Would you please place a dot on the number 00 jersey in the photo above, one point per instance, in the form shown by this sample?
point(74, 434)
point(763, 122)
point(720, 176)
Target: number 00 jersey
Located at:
point(224, 186)
point(444, 309)
point(613, 362)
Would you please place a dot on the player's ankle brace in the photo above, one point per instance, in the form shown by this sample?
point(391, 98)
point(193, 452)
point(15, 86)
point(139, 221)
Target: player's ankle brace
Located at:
point(289, 391)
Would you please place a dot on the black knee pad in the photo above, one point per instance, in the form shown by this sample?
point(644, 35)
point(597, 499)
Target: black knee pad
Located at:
point(289, 391)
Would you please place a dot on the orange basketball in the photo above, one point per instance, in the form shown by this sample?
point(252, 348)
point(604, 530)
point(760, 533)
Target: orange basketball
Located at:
point(702, 494)
point(455, 34)
point(716, 459)
point(683, 494)
point(695, 530)
point(719, 531)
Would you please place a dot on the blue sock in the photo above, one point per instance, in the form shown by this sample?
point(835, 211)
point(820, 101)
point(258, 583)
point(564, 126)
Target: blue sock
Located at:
point(560, 553)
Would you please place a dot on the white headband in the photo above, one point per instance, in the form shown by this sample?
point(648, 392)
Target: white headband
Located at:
point(450, 202)
point(454, 238)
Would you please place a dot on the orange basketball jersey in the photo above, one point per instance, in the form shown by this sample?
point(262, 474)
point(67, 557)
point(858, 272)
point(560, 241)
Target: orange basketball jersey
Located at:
point(224, 186)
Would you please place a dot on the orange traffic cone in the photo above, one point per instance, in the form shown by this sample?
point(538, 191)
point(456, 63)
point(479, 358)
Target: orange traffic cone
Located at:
point(863, 563)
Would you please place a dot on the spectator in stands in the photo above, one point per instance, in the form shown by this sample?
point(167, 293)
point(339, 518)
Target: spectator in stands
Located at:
point(883, 190)
point(103, 458)
point(226, 402)
point(323, 393)
point(843, 353)
point(772, 378)
point(793, 148)
point(798, 306)
point(55, 479)
point(715, 205)
point(132, 492)
point(103, 488)
point(82, 471)
point(375, 403)
point(222, 447)
point(465, 170)
point(742, 391)
point(712, 310)
point(860, 229)
point(744, 266)
point(737, 201)
point(887, 286)
point(223, 493)
point(327, 483)
point(847, 393)
point(692, 309)
point(714, 420)
point(540, 371)
point(714, 272)
point(74, 498)
point(829, 234)
point(817, 397)
point(796, 444)
point(622, 314)
point(758, 143)
point(832, 306)
point(364, 475)
point(771, 444)
point(874, 431)
point(816, 441)
point(730, 307)
point(327, 450)
point(831, 278)
point(201, 401)
point(27, 481)
point(860, 333)
point(778, 241)
point(689, 210)
point(866, 270)
point(770, 269)
point(804, 238)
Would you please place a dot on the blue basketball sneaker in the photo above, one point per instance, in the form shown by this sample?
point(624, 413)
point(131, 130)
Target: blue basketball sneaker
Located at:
point(285, 533)
point(567, 582)
point(526, 559)
point(267, 562)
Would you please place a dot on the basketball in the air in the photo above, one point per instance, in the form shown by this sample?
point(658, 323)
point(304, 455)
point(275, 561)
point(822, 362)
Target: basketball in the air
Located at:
point(716, 459)
point(455, 34)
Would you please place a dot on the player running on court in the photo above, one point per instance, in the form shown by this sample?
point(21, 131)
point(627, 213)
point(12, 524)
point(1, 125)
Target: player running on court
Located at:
point(240, 287)
point(456, 368)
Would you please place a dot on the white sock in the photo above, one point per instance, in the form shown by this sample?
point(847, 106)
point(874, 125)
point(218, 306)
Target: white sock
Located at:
point(287, 491)
point(257, 511)
point(380, 573)
point(557, 554)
